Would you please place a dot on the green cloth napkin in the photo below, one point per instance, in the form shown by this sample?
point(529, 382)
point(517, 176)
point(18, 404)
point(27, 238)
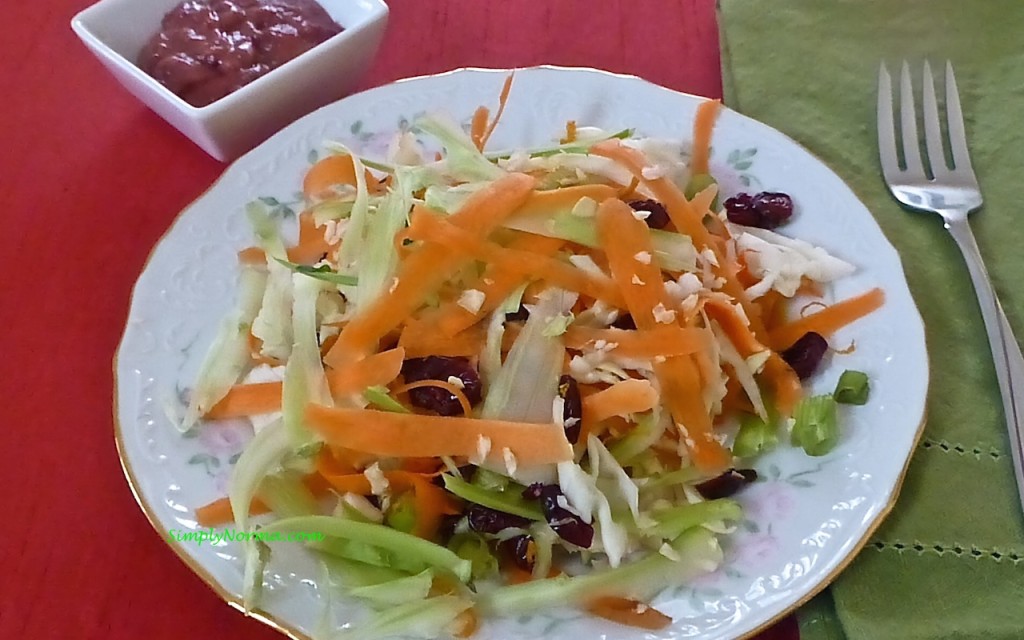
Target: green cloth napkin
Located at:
point(949, 560)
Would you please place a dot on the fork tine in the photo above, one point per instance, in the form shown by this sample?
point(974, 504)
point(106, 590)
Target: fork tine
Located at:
point(955, 118)
point(886, 129)
point(932, 129)
point(908, 122)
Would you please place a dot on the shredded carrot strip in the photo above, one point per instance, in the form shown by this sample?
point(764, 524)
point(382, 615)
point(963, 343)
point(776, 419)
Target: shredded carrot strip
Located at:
point(478, 127)
point(502, 100)
point(219, 512)
point(252, 255)
point(570, 132)
point(467, 409)
point(771, 309)
point(662, 340)
point(627, 396)
point(332, 171)
point(622, 236)
point(431, 502)
point(466, 623)
point(265, 397)
point(829, 320)
point(312, 245)
point(377, 369)
point(337, 461)
point(248, 400)
point(514, 574)
point(310, 249)
point(736, 399)
point(703, 126)
point(429, 466)
point(702, 202)
point(429, 227)
point(626, 192)
point(734, 326)
point(496, 284)
point(426, 269)
point(682, 213)
point(420, 338)
point(628, 612)
point(543, 203)
point(255, 346)
point(690, 221)
point(402, 435)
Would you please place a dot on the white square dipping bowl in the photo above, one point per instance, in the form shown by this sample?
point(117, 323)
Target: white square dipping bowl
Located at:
point(116, 30)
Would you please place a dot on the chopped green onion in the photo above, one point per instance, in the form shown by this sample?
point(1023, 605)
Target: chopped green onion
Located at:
point(323, 272)
point(558, 325)
point(685, 475)
point(357, 574)
point(416, 619)
point(401, 515)
point(673, 522)
point(700, 182)
point(470, 546)
point(816, 428)
point(256, 553)
point(490, 480)
point(642, 579)
point(397, 591)
point(648, 430)
point(380, 398)
point(505, 501)
point(367, 554)
point(852, 388)
point(399, 545)
point(265, 229)
point(754, 437)
point(286, 495)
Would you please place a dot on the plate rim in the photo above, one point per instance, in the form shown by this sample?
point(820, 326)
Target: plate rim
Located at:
point(292, 631)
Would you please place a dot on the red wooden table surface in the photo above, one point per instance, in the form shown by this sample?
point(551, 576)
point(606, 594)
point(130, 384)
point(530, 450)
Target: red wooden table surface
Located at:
point(89, 180)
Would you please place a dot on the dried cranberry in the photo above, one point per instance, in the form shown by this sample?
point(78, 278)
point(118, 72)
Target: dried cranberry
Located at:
point(740, 210)
point(726, 484)
point(625, 321)
point(446, 528)
point(441, 368)
point(572, 407)
point(486, 520)
point(522, 550)
point(806, 353)
point(774, 207)
point(659, 216)
point(765, 210)
point(534, 491)
point(569, 526)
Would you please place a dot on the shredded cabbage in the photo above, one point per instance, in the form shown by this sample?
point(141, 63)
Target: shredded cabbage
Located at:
point(228, 357)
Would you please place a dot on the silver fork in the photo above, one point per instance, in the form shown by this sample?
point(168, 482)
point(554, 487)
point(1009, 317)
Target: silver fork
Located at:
point(953, 193)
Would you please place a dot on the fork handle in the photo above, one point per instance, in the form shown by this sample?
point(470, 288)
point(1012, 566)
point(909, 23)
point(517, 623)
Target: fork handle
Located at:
point(1006, 353)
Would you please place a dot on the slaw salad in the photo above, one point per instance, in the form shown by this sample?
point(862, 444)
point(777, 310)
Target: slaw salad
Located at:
point(496, 381)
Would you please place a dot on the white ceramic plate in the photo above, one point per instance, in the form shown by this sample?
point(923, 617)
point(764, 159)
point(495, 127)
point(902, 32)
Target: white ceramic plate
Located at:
point(806, 518)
